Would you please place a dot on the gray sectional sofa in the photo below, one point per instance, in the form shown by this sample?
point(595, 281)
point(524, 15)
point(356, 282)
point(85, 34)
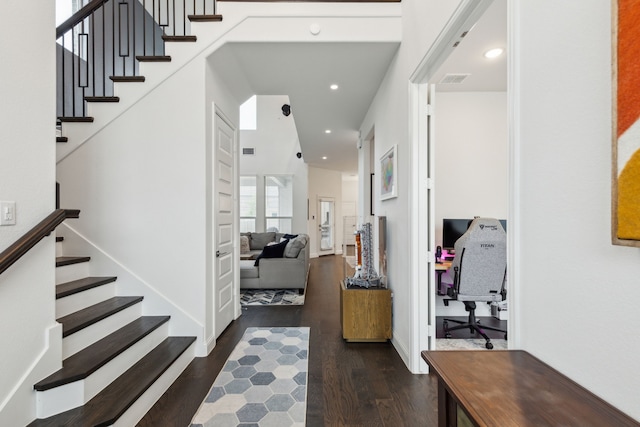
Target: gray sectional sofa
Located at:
point(288, 271)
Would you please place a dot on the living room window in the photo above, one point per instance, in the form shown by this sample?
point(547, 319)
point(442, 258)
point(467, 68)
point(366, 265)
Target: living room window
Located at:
point(248, 202)
point(278, 203)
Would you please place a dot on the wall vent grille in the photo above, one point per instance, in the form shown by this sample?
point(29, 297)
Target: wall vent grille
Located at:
point(248, 151)
point(454, 78)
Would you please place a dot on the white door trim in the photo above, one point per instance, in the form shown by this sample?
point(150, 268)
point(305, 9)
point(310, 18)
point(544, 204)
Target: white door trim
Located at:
point(422, 235)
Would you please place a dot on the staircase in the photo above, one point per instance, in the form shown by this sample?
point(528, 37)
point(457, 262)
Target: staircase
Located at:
point(116, 362)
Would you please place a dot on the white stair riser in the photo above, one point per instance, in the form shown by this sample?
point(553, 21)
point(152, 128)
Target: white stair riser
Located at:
point(59, 250)
point(55, 402)
point(84, 299)
point(100, 109)
point(87, 336)
point(71, 272)
point(157, 389)
point(69, 396)
point(131, 90)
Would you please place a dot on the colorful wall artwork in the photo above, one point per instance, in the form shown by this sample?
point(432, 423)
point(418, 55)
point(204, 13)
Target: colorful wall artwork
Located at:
point(626, 123)
point(388, 174)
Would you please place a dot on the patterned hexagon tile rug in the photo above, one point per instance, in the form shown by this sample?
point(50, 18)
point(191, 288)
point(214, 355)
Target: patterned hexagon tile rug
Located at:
point(262, 384)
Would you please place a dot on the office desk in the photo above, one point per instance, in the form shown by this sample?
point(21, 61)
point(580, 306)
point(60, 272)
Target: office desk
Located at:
point(440, 269)
point(513, 388)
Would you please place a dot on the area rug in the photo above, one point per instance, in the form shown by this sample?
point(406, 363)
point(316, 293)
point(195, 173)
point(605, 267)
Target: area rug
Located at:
point(468, 344)
point(263, 383)
point(271, 297)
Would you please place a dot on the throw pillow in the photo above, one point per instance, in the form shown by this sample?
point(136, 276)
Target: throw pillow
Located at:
point(260, 240)
point(289, 236)
point(244, 245)
point(295, 246)
point(272, 251)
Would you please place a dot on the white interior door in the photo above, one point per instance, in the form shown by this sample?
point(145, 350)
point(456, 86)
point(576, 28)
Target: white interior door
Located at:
point(326, 226)
point(223, 213)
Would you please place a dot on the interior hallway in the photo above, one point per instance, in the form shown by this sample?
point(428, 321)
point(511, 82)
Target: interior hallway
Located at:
point(363, 384)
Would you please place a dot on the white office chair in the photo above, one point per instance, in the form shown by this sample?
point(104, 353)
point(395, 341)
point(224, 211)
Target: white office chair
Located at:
point(479, 273)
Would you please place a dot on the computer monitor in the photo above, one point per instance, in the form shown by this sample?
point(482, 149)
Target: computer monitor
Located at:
point(453, 229)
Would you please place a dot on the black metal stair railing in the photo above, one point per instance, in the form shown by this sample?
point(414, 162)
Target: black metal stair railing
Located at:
point(105, 40)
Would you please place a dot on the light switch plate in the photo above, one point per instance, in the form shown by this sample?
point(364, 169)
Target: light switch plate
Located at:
point(7, 213)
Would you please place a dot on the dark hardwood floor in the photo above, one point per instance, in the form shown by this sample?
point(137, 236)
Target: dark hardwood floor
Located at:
point(350, 384)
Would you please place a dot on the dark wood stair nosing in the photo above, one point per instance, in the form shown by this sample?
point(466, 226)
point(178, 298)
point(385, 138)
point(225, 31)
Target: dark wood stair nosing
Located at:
point(205, 18)
point(76, 286)
point(72, 213)
point(91, 315)
point(112, 402)
point(187, 38)
point(127, 79)
point(69, 260)
point(59, 238)
point(156, 58)
point(87, 361)
point(75, 119)
point(62, 139)
point(102, 98)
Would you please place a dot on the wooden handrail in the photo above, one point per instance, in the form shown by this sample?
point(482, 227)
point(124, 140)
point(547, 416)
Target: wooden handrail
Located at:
point(77, 17)
point(14, 252)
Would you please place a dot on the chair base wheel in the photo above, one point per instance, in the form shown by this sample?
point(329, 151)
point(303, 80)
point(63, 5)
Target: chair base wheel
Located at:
point(489, 346)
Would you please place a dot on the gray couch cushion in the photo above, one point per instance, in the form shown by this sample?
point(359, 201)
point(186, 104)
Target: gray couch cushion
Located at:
point(260, 240)
point(248, 270)
point(295, 246)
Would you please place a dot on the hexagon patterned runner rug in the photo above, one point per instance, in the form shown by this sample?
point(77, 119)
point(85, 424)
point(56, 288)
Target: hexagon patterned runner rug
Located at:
point(263, 383)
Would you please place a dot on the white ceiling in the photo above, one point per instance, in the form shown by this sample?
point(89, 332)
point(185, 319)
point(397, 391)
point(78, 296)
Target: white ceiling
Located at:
point(304, 72)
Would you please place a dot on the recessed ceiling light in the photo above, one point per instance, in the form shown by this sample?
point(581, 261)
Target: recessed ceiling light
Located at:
point(493, 53)
point(334, 87)
point(327, 131)
point(324, 157)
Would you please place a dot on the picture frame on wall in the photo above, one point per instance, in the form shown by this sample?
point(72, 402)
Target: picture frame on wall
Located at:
point(388, 174)
point(371, 187)
point(625, 168)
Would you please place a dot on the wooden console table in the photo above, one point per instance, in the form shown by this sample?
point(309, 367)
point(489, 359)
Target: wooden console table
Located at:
point(365, 314)
point(513, 388)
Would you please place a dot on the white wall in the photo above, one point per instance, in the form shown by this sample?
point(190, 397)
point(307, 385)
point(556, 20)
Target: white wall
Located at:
point(324, 183)
point(389, 114)
point(276, 143)
point(145, 188)
point(576, 293)
point(471, 151)
point(30, 335)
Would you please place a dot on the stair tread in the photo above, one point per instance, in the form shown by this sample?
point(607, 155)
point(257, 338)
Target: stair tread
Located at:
point(108, 405)
point(61, 261)
point(127, 78)
point(59, 238)
point(76, 119)
point(186, 38)
point(62, 139)
point(156, 58)
point(205, 18)
point(82, 364)
point(102, 98)
point(75, 286)
point(88, 316)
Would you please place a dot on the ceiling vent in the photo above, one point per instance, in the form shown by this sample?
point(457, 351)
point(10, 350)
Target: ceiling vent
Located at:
point(454, 78)
point(248, 151)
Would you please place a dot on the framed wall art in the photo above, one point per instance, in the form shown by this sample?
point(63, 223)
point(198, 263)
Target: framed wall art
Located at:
point(388, 174)
point(625, 176)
